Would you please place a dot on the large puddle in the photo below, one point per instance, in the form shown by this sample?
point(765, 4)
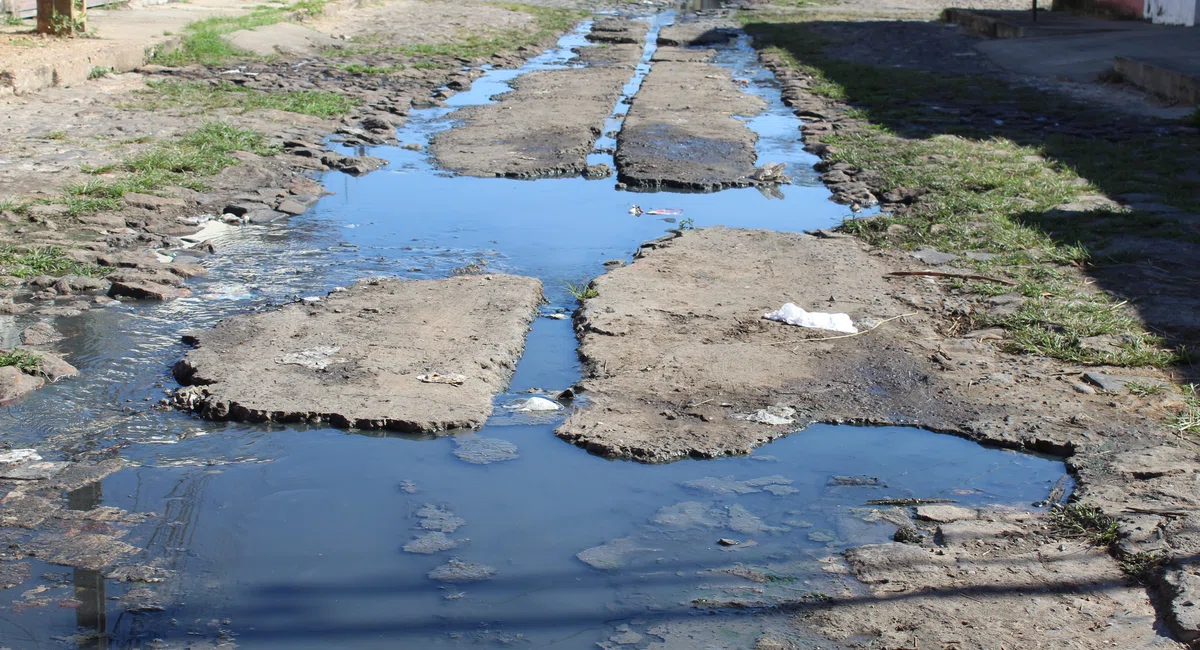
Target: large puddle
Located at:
point(293, 537)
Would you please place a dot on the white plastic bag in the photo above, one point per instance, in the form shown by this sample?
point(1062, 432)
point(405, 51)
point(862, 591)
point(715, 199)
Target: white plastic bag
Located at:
point(793, 315)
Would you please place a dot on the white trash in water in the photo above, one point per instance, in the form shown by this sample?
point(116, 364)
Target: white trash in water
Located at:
point(536, 404)
point(18, 456)
point(793, 315)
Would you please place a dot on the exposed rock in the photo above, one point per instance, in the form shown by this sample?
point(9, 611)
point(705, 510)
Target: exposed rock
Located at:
point(144, 290)
point(934, 257)
point(54, 368)
point(958, 533)
point(40, 333)
point(151, 202)
point(14, 383)
point(381, 336)
point(1155, 462)
point(945, 513)
point(1114, 383)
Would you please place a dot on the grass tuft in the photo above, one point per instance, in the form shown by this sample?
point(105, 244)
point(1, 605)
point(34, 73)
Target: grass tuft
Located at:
point(48, 260)
point(547, 22)
point(1083, 521)
point(995, 190)
point(181, 162)
point(1188, 419)
point(207, 97)
point(582, 290)
point(203, 42)
point(23, 360)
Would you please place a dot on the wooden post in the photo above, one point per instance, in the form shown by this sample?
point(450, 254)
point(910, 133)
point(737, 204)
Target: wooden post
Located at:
point(61, 17)
point(1035, 11)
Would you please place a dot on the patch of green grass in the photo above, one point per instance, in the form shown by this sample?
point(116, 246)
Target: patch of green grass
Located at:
point(1143, 389)
point(994, 190)
point(547, 22)
point(22, 359)
point(1193, 118)
point(1188, 419)
point(13, 205)
point(203, 42)
point(13, 20)
point(582, 290)
point(182, 162)
point(1088, 522)
point(97, 169)
point(1143, 568)
point(47, 260)
point(99, 71)
point(165, 94)
point(359, 68)
point(56, 135)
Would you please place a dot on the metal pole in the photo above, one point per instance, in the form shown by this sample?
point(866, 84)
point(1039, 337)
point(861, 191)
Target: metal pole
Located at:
point(1035, 11)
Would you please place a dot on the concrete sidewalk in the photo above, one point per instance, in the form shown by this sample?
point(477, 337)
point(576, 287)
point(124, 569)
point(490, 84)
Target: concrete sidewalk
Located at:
point(1161, 59)
point(124, 39)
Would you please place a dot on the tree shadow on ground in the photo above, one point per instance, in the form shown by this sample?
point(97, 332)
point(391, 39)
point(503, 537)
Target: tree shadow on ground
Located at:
point(1143, 249)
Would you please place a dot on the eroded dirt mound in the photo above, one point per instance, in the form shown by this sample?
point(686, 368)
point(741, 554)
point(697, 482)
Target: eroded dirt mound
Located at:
point(681, 363)
point(408, 355)
point(681, 133)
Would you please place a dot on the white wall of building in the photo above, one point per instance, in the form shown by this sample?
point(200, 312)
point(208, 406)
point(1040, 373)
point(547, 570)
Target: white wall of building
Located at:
point(1171, 12)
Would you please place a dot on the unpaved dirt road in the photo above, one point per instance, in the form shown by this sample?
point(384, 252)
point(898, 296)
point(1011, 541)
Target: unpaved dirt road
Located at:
point(678, 360)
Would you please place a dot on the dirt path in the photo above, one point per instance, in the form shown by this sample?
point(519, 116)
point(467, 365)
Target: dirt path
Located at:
point(549, 123)
point(332, 359)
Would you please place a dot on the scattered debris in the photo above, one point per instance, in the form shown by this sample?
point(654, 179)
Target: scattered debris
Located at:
point(451, 379)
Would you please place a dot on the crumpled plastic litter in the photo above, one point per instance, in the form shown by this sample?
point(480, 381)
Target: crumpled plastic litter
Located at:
point(18, 456)
point(434, 378)
point(536, 404)
point(666, 211)
point(794, 315)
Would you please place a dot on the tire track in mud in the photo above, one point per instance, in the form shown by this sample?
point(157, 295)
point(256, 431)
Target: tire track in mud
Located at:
point(551, 120)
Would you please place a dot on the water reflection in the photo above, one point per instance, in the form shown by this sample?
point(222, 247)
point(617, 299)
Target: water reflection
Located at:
point(92, 613)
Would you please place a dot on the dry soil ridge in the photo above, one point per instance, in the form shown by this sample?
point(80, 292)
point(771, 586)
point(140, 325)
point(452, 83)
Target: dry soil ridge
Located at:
point(354, 358)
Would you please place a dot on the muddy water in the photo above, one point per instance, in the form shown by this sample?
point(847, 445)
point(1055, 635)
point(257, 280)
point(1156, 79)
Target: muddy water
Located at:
point(292, 537)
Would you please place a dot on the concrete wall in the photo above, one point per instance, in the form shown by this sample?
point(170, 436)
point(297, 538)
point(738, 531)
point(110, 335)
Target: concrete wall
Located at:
point(1171, 12)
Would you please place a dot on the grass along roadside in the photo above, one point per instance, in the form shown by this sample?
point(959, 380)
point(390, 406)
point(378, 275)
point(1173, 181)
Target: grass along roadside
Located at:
point(547, 22)
point(203, 42)
point(181, 162)
point(46, 260)
point(207, 97)
point(992, 191)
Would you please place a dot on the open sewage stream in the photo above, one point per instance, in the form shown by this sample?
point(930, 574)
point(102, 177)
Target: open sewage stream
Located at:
point(272, 536)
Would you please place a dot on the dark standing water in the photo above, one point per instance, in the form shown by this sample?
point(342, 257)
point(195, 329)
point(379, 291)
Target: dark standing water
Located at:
point(291, 537)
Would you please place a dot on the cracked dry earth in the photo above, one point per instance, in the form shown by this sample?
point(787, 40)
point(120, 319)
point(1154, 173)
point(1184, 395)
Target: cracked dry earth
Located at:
point(678, 362)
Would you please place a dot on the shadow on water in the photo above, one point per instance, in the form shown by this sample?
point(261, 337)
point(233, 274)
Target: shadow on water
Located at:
point(894, 72)
point(294, 537)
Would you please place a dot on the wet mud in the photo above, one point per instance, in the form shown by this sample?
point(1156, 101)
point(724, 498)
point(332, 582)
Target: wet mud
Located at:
point(382, 354)
point(680, 131)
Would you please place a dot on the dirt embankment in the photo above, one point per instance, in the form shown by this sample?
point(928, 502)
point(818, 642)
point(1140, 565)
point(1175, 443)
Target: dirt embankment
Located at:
point(549, 123)
point(680, 363)
point(415, 356)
